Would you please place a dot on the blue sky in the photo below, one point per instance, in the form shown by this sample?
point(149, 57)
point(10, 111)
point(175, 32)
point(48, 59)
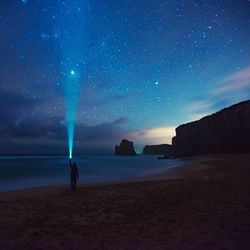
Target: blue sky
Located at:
point(142, 67)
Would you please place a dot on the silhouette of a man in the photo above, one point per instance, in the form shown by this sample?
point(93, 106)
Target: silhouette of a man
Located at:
point(74, 175)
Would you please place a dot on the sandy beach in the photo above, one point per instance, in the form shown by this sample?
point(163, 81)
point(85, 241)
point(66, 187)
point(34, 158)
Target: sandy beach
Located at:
point(198, 206)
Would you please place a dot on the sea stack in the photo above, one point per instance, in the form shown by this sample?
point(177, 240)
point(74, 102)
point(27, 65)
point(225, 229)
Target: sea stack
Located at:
point(125, 148)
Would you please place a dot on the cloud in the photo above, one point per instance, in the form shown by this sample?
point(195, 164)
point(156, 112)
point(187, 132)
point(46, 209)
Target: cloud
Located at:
point(105, 131)
point(12, 100)
point(25, 134)
point(230, 89)
point(53, 128)
point(20, 130)
point(156, 135)
point(13, 106)
point(159, 132)
point(236, 82)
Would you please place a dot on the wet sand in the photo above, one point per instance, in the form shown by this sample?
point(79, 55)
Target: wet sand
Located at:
point(202, 206)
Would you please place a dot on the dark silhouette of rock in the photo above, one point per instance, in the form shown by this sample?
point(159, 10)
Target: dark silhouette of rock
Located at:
point(223, 132)
point(125, 148)
point(157, 149)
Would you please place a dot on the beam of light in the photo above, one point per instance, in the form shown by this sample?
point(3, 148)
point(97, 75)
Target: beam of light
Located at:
point(70, 36)
point(72, 97)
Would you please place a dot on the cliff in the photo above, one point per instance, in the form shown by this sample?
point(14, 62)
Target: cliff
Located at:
point(157, 149)
point(125, 148)
point(225, 131)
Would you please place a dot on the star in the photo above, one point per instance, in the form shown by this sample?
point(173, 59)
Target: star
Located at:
point(44, 35)
point(159, 59)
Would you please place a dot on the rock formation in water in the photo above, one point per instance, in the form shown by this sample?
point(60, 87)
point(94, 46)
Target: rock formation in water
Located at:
point(125, 148)
point(157, 149)
point(223, 132)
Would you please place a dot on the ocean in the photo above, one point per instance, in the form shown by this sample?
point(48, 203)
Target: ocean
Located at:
point(17, 172)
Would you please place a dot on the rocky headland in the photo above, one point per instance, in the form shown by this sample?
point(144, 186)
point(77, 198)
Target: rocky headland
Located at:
point(227, 131)
point(157, 149)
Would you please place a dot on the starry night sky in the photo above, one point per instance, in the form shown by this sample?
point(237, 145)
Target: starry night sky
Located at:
point(143, 67)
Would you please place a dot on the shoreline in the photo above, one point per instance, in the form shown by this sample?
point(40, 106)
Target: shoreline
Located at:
point(93, 170)
point(182, 171)
point(178, 171)
point(137, 177)
point(209, 200)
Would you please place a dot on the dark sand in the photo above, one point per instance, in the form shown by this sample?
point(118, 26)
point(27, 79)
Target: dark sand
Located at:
point(206, 207)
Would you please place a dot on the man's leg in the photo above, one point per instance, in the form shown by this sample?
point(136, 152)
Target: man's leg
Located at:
point(72, 184)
